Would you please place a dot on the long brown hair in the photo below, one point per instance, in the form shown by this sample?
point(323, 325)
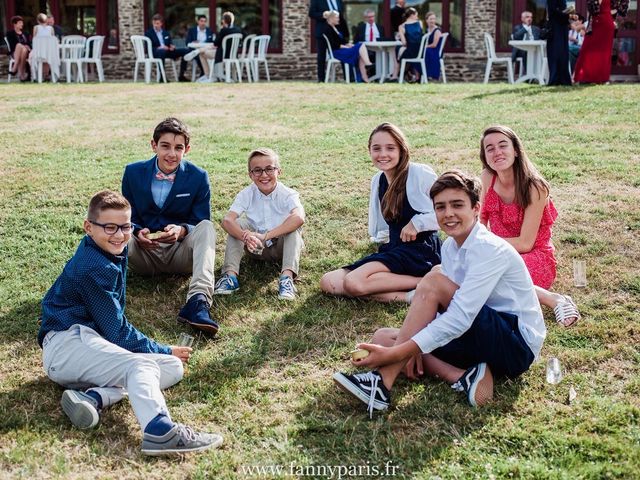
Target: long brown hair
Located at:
point(525, 172)
point(394, 197)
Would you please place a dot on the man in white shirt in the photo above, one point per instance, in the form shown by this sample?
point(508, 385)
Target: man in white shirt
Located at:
point(477, 318)
point(265, 219)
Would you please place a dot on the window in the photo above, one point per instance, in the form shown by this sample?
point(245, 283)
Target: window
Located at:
point(252, 16)
point(74, 17)
point(450, 14)
point(77, 17)
point(509, 12)
point(354, 13)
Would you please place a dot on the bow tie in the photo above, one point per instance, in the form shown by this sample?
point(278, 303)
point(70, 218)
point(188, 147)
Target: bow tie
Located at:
point(161, 176)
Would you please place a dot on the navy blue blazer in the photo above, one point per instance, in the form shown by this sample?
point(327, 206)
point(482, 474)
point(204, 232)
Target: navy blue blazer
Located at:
point(188, 202)
point(192, 35)
point(155, 43)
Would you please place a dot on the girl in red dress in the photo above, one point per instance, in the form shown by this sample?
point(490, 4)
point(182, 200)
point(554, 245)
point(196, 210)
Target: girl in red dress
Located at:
point(594, 60)
point(516, 206)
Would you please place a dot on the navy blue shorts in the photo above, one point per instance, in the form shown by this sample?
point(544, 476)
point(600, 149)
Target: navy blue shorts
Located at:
point(494, 338)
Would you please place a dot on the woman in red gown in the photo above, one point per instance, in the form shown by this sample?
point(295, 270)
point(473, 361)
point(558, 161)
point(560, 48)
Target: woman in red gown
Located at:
point(594, 60)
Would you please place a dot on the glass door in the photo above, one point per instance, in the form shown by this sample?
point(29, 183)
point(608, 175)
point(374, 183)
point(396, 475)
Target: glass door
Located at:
point(625, 58)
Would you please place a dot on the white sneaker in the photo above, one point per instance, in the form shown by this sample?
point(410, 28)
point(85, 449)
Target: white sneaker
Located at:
point(204, 79)
point(191, 55)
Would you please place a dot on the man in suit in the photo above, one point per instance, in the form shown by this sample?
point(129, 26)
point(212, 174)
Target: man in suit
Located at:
point(397, 16)
point(524, 31)
point(228, 28)
point(170, 209)
point(57, 29)
point(200, 34)
point(316, 11)
point(369, 31)
point(162, 46)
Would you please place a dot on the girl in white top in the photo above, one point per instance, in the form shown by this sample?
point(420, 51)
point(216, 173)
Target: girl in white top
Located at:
point(400, 214)
point(42, 29)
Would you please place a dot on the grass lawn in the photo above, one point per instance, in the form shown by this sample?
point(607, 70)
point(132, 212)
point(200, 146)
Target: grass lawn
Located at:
point(265, 383)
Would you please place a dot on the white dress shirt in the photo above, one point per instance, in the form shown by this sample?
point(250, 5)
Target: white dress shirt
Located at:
point(201, 35)
point(367, 32)
point(419, 182)
point(266, 212)
point(489, 272)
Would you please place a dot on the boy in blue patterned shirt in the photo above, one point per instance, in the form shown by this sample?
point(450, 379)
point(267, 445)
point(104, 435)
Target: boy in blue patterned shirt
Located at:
point(91, 349)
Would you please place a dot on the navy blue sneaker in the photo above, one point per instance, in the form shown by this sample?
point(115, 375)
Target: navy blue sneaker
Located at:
point(366, 387)
point(477, 384)
point(196, 313)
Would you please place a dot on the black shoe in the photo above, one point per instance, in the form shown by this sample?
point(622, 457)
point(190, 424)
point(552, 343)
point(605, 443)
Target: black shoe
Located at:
point(182, 78)
point(477, 384)
point(196, 313)
point(366, 387)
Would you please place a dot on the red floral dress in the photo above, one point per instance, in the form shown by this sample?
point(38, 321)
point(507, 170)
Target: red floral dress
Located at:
point(505, 220)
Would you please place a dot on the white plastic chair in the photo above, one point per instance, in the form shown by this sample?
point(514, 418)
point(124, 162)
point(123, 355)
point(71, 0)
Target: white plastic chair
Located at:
point(419, 59)
point(332, 65)
point(45, 50)
point(261, 57)
point(93, 54)
point(72, 50)
point(11, 60)
point(144, 55)
point(231, 44)
point(493, 58)
point(445, 36)
point(247, 54)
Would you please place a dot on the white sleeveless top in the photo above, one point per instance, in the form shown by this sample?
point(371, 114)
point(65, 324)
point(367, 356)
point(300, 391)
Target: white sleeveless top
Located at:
point(44, 31)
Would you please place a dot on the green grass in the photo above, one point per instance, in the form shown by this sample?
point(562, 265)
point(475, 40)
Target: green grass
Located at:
point(265, 383)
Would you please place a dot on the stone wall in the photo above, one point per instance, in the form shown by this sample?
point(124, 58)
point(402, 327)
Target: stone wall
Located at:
point(296, 62)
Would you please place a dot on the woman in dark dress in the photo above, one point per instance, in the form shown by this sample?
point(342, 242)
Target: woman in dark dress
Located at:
point(410, 33)
point(19, 47)
point(344, 51)
point(400, 213)
point(558, 45)
point(432, 53)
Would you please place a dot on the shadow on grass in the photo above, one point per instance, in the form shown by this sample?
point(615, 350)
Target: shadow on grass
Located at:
point(21, 323)
point(426, 420)
point(527, 92)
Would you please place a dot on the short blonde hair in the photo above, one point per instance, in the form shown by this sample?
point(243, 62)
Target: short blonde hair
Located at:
point(263, 152)
point(41, 18)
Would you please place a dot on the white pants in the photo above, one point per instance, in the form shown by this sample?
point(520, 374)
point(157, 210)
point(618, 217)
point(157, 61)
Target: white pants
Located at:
point(79, 358)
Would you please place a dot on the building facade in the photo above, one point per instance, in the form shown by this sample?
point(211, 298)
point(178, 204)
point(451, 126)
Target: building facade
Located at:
point(292, 48)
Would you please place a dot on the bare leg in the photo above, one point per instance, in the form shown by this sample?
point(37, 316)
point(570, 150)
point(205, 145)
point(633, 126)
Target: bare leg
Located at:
point(20, 56)
point(363, 63)
point(547, 298)
point(434, 292)
point(370, 279)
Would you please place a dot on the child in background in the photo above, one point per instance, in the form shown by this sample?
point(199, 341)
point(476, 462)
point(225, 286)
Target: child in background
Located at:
point(90, 348)
point(264, 220)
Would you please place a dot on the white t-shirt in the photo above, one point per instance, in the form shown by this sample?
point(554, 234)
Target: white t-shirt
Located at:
point(266, 212)
point(489, 272)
